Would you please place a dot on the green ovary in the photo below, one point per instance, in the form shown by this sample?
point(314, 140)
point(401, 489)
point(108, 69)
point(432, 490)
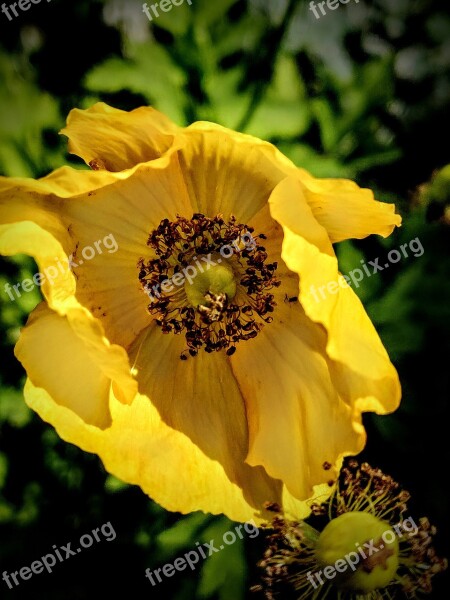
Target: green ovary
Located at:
point(218, 279)
point(343, 544)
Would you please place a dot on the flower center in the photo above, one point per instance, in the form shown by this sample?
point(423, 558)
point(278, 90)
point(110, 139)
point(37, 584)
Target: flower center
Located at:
point(217, 282)
point(209, 280)
point(361, 549)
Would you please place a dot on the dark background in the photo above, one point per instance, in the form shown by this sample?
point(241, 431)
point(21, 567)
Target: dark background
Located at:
point(362, 93)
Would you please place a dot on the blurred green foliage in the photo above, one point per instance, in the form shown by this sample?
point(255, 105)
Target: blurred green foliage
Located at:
point(361, 93)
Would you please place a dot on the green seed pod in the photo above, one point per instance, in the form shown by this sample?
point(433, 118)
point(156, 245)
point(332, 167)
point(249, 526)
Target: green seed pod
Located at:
point(362, 551)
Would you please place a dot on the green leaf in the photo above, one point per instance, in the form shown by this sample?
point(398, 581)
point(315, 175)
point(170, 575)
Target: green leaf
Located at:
point(318, 164)
point(285, 110)
point(224, 572)
point(438, 190)
point(3, 469)
point(350, 259)
point(181, 535)
point(208, 12)
point(114, 485)
point(13, 409)
point(394, 312)
point(327, 123)
point(177, 20)
point(149, 71)
point(26, 112)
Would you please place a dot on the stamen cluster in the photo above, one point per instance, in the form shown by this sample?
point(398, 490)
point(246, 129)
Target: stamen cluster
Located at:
point(219, 322)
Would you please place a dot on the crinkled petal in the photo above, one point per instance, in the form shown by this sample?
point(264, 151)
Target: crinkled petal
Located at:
point(55, 277)
point(112, 139)
point(141, 449)
point(347, 211)
point(139, 446)
point(64, 182)
point(352, 339)
point(76, 364)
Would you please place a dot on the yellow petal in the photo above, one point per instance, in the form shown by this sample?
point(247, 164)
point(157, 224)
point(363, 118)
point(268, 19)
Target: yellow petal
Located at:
point(269, 150)
point(347, 211)
point(112, 139)
point(30, 223)
point(297, 420)
point(26, 237)
point(64, 182)
point(225, 172)
point(200, 398)
point(352, 339)
point(68, 357)
point(138, 446)
point(141, 449)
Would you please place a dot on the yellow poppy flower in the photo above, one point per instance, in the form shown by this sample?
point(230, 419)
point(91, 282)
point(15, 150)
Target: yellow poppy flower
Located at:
point(190, 354)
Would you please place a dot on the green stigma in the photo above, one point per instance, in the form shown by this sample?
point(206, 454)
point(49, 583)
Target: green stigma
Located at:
point(361, 549)
point(214, 280)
